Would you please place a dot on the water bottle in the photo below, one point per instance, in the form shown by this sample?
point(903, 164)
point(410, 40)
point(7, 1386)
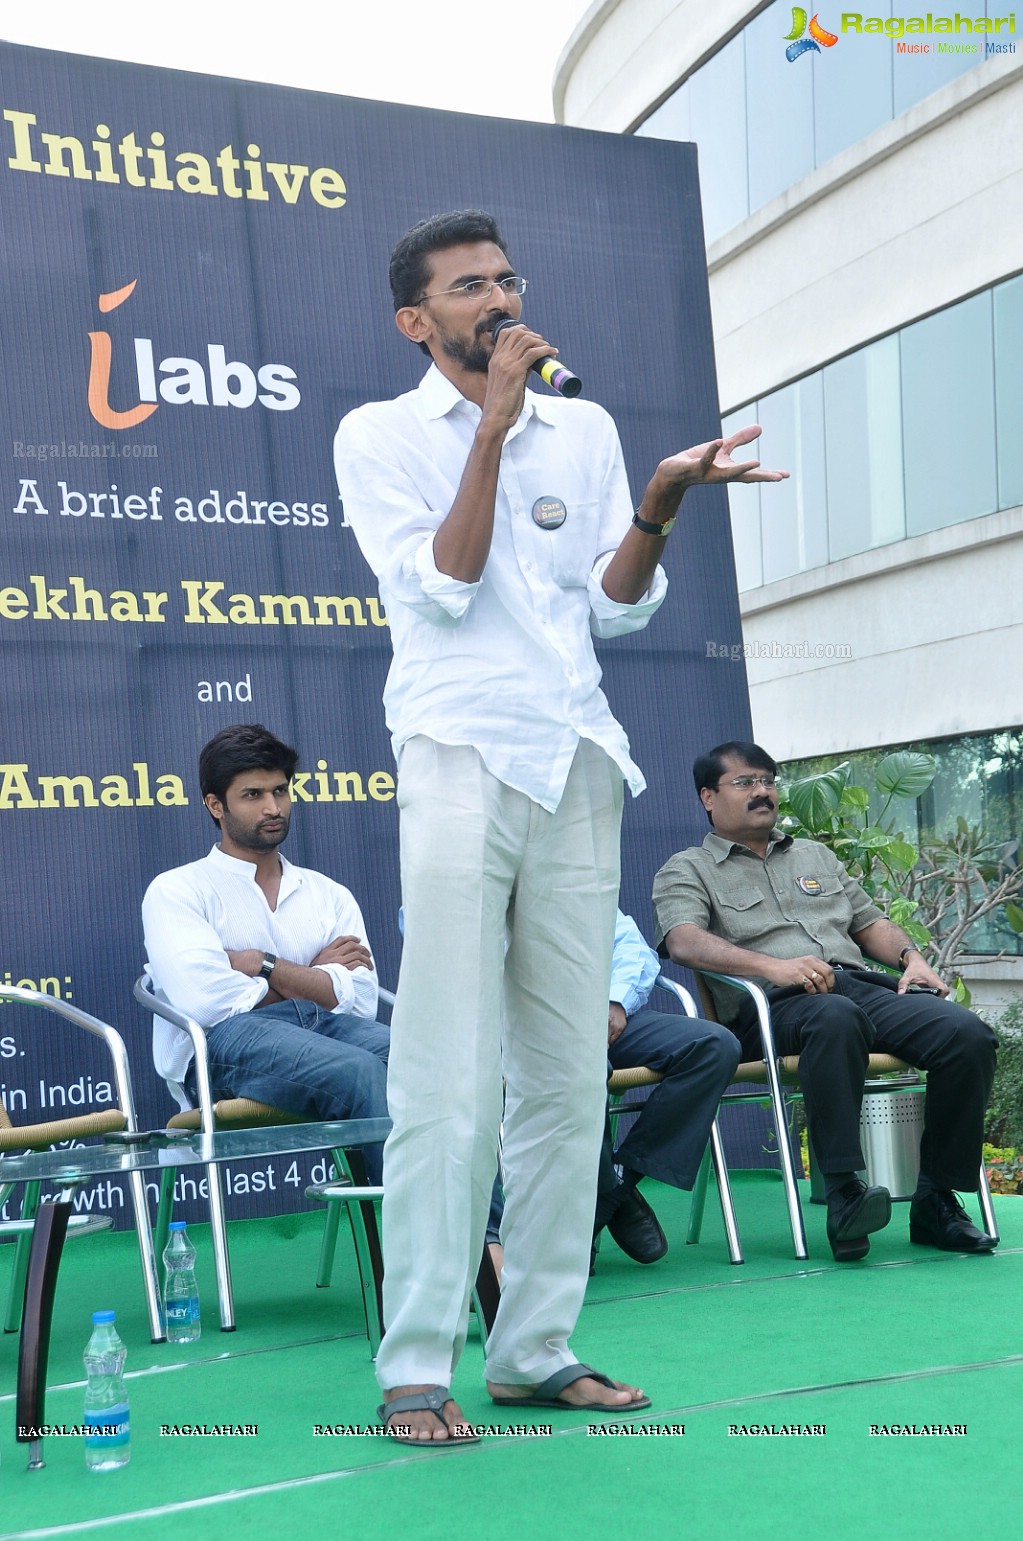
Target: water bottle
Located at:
point(180, 1294)
point(107, 1420)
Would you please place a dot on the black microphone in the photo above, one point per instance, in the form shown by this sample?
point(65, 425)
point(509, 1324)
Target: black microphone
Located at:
point(557, 376)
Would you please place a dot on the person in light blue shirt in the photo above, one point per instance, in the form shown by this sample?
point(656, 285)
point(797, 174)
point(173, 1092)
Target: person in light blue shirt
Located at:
point(667, 1140)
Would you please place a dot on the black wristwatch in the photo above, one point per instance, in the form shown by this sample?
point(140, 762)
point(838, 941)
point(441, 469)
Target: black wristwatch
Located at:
point(648, 528)
point(909, 947)
point(268, 965)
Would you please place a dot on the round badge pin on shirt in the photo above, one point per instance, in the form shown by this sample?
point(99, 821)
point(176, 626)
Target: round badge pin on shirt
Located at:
point(549, 513)
point(811, 885)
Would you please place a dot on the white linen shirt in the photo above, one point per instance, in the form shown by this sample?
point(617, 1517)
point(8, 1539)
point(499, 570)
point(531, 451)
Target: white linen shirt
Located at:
point(506, 664)
point(192, 915)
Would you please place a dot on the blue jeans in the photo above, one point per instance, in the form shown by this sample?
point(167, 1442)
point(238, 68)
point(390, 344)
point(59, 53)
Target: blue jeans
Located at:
point(301, 1058)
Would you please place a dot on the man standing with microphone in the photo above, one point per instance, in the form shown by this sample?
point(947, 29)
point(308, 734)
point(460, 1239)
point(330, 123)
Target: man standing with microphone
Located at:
point(500, 527)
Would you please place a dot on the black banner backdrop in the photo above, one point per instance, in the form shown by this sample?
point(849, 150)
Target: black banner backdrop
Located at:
point(194, 291)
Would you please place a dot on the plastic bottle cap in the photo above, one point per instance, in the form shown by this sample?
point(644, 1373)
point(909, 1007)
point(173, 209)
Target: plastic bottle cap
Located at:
point(102, 1316)
point(177, 1225)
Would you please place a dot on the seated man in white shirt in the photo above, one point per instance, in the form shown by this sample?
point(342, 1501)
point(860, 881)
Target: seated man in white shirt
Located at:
point(271, 959)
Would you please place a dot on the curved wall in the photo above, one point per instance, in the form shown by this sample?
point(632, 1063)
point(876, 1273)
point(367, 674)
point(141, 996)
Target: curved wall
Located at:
point(921, 634)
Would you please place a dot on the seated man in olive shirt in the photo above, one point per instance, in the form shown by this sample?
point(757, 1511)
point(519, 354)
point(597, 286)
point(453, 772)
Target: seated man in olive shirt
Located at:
point(752, 901)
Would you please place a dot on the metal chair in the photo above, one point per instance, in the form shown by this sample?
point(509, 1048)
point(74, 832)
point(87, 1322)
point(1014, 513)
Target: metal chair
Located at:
point(622, 1081)
point(40, 1136)
point(781, 1075)
point(349, 1187)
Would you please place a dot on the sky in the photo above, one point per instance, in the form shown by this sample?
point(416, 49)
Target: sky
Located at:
point(497, 60)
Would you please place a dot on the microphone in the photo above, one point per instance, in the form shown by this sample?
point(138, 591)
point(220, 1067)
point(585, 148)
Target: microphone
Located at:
point(557, 376)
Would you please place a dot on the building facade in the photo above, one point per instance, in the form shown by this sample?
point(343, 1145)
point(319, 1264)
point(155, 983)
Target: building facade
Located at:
point(862, 187)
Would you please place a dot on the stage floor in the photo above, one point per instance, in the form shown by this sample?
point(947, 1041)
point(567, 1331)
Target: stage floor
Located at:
point(909, 1338)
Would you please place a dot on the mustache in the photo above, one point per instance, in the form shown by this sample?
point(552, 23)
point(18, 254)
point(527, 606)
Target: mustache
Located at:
point(761, 802)
point(490, 323)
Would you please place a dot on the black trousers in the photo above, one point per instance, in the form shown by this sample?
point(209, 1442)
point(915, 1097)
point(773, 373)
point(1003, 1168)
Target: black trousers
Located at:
point(833, 1034)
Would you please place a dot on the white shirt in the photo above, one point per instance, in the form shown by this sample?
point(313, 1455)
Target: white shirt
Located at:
point(506, 664)
point(192, 915)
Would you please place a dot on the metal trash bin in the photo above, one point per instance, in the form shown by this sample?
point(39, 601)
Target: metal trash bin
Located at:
point(891, 1124)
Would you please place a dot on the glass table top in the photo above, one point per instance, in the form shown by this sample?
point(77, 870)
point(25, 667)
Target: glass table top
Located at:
point(161, 1147)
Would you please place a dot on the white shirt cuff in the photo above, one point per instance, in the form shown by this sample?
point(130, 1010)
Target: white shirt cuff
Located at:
point(448, 594)
point(612, 618)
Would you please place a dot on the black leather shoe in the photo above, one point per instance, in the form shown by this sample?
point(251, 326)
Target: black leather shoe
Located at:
point(854, 1210)
point(939, 1220)
point(637, 1229)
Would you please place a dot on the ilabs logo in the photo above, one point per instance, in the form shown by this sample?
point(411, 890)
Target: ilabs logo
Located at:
point(818, 35)
point(229, 383)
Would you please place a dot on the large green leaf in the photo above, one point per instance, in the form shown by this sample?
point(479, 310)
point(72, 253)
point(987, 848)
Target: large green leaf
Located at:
point(874, 838)
point(814, 799)
point(901, 910)
point(900, 855)
point(906, 773)
point(1014, 915)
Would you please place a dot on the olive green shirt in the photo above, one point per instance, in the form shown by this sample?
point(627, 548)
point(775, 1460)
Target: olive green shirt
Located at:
point(797, 900)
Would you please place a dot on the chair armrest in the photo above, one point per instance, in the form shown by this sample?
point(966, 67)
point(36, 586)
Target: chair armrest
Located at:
point(680, 992)
point(882, 968)
point(760, 1001)
point(146, 997)
point(110, 1036)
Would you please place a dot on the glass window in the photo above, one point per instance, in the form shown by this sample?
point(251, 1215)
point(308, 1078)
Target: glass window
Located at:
point(795, 524)
point(1008, 300)
point(671, 118)
point(863, 426)
point(917, 75)
point(744, 506)
point(761, 123)
point(948, 416)
point(779, 107)
point(852, 90)
point(717, 106)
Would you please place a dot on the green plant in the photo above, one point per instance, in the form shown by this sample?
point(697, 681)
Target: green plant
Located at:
point(828, 808)
point(956, 882)
point(936, 889)
point(1003, 1124)
point(1004, 1168)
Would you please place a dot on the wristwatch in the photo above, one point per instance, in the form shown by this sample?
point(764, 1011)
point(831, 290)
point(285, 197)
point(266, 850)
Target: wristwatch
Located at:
point(268, 965)
point(649, 528)
point(909, 947)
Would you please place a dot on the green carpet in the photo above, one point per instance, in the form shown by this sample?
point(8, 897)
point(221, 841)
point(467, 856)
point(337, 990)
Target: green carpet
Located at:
point(910, 1337)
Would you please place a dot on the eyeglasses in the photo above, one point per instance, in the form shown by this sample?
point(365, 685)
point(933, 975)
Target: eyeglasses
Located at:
point(747, 783)
point(479, 288)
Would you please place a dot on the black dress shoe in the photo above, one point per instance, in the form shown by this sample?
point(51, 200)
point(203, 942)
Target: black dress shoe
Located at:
point(854, 1210)
point(637, 1229)
point(939, 1220)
